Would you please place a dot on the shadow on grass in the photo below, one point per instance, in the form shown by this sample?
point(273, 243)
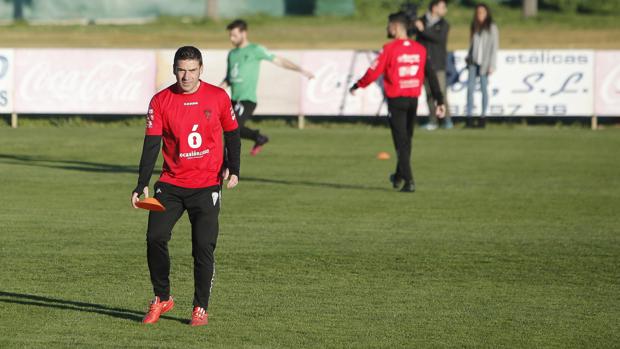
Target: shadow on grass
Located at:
point(72, 165)
point(48, 302)
point(309, 184)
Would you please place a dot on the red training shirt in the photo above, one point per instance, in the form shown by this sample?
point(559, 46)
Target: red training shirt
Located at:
point(402, 62)
point(191, 127)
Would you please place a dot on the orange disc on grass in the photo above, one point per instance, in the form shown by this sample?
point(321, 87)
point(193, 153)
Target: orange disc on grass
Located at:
point(151, 204)
point(383, 155)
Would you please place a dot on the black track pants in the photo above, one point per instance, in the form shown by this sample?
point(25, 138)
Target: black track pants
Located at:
point(402, 119)
point(203, 208)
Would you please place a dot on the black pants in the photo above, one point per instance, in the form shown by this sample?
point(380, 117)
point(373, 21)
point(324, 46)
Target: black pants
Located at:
point(203, 208)
point(244, 110)
point(402, 117)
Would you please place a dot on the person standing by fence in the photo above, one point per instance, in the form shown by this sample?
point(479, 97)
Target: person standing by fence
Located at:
point(433, 32)
point(481, 60)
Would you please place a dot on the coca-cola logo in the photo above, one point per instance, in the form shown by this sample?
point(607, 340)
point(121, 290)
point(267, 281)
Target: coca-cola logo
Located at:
point(4, 67)
point(328, 84)
point(610, 87)
point(109, 81)
point(328, 93)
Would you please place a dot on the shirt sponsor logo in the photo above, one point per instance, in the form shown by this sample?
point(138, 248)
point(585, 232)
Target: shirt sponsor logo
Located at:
point(194, 154)
point(187, 104)
point(234, 74)
point(408, 59)
point(413, 83)
point(408, 70)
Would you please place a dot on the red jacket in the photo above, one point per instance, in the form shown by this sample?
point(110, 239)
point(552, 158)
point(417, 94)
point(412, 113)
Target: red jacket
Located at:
point(402, 62)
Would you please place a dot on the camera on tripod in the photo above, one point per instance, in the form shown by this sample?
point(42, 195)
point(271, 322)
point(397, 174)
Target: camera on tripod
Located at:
point(410, 10)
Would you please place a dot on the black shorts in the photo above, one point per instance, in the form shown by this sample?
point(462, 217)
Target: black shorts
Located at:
point(244, 110)
point(202, 206)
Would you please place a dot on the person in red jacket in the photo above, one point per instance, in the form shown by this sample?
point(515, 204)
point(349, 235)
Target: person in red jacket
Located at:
point(403, 64)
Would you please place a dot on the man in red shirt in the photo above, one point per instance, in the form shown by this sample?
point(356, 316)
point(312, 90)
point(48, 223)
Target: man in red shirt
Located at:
point(403, 64)
point(190, 117)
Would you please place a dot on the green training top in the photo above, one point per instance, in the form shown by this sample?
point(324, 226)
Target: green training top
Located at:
point(243, 68)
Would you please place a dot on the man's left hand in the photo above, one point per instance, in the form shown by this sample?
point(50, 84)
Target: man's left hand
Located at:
point(353, 89)
point(440, 111)
point(232, 181)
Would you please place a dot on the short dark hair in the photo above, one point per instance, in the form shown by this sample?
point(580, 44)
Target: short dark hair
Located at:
point(187, 53)
point(239, 24)
point(435, 3)
point(399, 17)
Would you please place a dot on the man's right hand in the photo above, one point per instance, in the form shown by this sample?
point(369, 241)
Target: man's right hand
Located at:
point(419, 25)
point(308, 74)
point(135, 197)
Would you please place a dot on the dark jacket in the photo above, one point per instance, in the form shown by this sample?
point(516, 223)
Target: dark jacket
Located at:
point(435, 39)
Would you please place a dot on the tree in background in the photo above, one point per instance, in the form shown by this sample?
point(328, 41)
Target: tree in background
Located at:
point(18, 8)
point(588, 6)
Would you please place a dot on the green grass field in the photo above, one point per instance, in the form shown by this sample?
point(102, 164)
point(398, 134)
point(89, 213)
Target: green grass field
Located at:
point(512, 240)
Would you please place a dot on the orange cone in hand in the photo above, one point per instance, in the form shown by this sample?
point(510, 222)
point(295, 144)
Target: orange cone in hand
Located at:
point(151, 204)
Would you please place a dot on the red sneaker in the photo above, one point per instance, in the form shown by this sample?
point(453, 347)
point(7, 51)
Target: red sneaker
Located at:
point(258, 145)
point(255, 150)
point(199, 317)
point(157, 308)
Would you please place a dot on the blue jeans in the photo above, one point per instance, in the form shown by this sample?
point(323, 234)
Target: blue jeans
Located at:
point(474, 72)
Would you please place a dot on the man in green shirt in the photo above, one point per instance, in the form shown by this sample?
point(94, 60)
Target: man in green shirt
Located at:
point(242, 77)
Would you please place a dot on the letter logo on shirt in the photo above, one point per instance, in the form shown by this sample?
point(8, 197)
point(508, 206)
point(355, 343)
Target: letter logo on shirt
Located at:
point(194, 139)
point(234, 72)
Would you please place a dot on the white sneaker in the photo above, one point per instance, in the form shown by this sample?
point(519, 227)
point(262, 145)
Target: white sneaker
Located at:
point(430, 127)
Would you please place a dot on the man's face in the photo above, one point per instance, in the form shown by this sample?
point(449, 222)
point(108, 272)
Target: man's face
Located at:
point(440, 9)
point(237, 37)
point(188, 73)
